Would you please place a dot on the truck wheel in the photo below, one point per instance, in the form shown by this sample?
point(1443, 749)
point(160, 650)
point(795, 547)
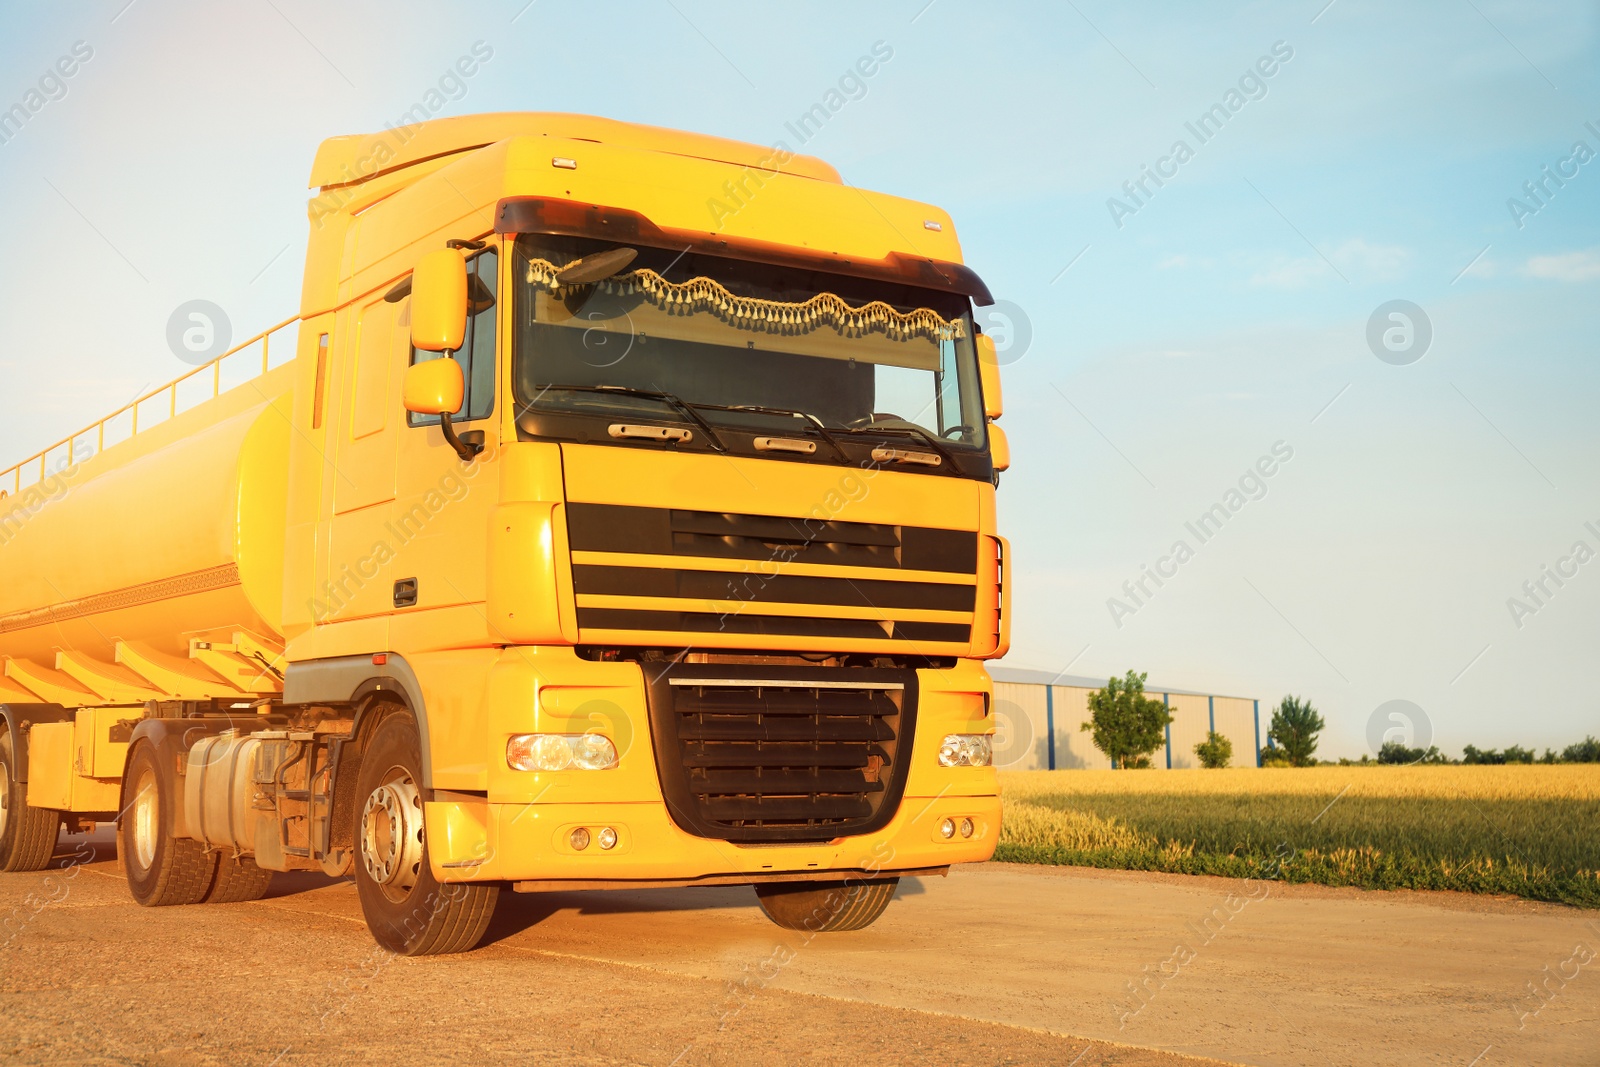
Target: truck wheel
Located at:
point(825, 907)
point(27, 834)
point(238, 879)
point(162, 868)
point(407, 909)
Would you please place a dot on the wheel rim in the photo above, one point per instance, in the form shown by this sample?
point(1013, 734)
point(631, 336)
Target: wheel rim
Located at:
point(146, 820)
point(5, 797)
point(391, 835)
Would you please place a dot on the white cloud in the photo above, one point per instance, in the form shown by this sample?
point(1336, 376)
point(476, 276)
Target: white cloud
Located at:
point(1291, 273)
point(1374, 263)
point(1566, 267)
point(1355, 259)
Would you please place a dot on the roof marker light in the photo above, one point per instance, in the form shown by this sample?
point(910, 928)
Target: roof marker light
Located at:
point(563, 163)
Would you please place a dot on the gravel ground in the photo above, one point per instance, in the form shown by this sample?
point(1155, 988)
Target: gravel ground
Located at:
point(998, 964)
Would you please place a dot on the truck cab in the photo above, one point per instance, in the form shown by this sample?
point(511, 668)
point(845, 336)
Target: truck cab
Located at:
point(630, 521)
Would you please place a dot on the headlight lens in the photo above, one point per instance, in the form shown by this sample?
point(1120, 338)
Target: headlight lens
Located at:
point(593, 752)
point(966, 750)
point(557, 752)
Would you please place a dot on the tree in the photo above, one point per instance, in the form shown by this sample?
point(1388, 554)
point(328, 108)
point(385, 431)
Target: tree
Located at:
point(1215, 751)
point(1295, 726)
point(1396, 752)
point(1585, 751)
point(1125, 723)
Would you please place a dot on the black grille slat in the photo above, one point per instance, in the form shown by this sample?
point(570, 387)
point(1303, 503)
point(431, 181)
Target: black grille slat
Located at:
point(829, 811)
point(778, 701)
point(785, 782)
point(787, 728)
point(780, 754)
point(769, 625)
point(664, 531)
point(776, 759)
point(740, 588)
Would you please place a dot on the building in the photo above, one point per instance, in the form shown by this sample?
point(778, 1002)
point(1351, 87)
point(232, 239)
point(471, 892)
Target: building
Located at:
point(1039, 715)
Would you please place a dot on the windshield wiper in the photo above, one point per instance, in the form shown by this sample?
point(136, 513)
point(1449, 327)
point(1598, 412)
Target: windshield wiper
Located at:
point(908, 430)
point(646, 394)
point(790, 412)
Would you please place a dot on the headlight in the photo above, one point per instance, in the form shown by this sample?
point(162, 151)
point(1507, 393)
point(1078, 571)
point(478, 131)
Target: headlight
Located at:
point(966, 750)
point(557, 752)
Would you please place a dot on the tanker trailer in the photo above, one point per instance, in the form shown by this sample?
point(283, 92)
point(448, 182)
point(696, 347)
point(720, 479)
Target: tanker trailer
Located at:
point(106, 615)
point(624, 517)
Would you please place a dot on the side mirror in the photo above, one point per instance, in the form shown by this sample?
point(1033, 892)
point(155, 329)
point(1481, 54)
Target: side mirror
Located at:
point(434, 388)
point(439, 302)
point(999, 448)
point(989, 375)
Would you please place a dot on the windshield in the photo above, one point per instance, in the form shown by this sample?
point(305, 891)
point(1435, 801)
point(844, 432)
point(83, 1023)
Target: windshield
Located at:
point(723, 336)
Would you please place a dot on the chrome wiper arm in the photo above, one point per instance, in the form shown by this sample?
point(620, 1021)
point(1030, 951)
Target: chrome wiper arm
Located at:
point(647, 394)
point(907, 431)
point(760, 409)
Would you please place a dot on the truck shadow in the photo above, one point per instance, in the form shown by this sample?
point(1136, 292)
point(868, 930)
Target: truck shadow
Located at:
point(518, 912)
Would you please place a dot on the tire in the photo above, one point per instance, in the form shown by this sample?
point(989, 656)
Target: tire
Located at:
point(238, 880)
point(408, 910)
point(27, 834)
point(162, 868)
point(825, 907)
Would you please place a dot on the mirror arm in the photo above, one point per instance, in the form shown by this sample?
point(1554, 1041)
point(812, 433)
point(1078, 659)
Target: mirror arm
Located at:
point(467, 452)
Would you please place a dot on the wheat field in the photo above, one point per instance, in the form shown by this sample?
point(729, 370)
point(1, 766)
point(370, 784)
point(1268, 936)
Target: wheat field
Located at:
point(1531, 831)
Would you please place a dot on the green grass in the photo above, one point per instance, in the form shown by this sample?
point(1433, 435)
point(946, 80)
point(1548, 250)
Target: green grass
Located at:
point(1528, 831)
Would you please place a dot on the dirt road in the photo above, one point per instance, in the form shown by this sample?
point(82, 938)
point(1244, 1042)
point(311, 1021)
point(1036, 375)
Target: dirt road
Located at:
point(993, 965)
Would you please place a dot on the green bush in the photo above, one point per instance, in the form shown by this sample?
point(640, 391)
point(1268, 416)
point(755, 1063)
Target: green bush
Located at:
point(1215, 751)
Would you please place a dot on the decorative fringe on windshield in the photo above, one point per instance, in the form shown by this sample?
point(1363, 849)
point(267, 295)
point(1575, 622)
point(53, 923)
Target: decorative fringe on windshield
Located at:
point(763, 316)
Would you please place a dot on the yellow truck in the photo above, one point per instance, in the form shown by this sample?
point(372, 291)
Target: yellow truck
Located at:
point(624, 516)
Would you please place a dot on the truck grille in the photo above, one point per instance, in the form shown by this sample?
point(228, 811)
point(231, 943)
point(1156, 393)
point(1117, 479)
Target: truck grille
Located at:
point(751, 754)
point(756, 576)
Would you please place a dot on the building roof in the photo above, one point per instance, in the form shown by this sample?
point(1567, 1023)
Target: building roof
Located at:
point(1077, 681)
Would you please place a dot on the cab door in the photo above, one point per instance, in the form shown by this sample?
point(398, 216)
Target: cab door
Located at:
point(441, 510)
point(366, 406)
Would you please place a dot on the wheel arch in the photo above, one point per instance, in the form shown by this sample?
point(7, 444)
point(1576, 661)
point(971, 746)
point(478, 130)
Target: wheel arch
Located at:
point(366, 685)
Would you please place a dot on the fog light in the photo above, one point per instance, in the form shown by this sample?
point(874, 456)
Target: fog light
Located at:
point(608, 838)
point(557, 752)
point(947, 829)
point(966, 827)
point(966, 750)
point(580, 839)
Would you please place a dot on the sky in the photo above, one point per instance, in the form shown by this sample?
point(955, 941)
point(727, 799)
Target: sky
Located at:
point(1166, 339)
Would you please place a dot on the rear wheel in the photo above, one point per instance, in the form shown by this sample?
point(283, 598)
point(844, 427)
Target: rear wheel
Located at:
point(27, 834)
point(238, 879)
point(408, 910)
point(162, 868)
point(825, 907)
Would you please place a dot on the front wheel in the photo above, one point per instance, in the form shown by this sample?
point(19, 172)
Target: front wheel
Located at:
point(407, 909)
point(27, 834)
point(825, 907)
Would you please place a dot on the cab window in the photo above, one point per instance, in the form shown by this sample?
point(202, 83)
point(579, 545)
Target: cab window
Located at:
point(477, 350)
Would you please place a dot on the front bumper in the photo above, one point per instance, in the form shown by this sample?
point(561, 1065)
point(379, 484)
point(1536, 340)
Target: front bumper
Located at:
point(518, 829)
point(472, 840)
